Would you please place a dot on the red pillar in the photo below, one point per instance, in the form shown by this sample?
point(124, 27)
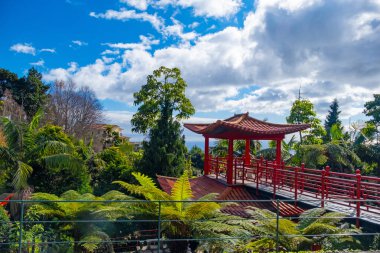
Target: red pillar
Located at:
point(230, 161)
point(206, 164)
point(278, 151)
point(247, 158)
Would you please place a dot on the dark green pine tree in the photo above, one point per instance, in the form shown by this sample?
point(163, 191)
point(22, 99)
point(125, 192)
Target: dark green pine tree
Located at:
point(332, 118)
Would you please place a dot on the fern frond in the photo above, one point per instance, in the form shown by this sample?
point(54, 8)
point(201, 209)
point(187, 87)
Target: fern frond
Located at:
point(181, 191)
point(200, 210)
point(62, 161)
point(331, 218)
point(20, 179)
point(55, 147)
point(319, 229)
point(93, 240)
point(309, 216)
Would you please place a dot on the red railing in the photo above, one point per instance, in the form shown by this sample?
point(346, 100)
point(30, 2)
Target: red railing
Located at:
point(304, 182)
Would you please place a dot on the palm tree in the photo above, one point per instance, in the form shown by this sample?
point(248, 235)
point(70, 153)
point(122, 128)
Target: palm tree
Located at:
point(315, 226)
point(186, 220)
point(68, 208)
point(24, 146)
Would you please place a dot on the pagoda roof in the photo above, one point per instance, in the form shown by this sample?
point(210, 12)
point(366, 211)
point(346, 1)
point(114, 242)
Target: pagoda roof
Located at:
point(243, 125)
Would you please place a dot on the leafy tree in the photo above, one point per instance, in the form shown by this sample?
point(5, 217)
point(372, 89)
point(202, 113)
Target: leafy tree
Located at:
point(332, 118)
point(186, 219)
point(372, 109)
point(302, 111)
point(7, 80)
point(44, 156)
point(58, 167)
point(29, 91)
point(162, 104)
point(109, 165)
point(197, 157)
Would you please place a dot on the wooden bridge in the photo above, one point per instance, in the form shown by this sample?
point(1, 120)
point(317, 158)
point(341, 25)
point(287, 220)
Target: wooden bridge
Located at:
point(355, 194)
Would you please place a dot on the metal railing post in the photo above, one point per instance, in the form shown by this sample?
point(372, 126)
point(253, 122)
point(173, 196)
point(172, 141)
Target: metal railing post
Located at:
point(277, 224)
point(159, 227)
point(21, 226)
point(358, 197)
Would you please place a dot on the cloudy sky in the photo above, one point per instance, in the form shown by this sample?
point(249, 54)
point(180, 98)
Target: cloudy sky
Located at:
point(235, 55)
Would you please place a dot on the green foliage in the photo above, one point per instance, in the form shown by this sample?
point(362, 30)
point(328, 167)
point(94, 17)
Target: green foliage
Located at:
point(5, 230)
point(316, 222)
point(29, 91)
point(109, 165)
point(196, 155)
point(186, 219)
point(332, 119)
point(73, 211)
point(162, 103)
point(161, 96)
point(372, 109)
point(57, 165)
point(221, 147)
point(302, 111)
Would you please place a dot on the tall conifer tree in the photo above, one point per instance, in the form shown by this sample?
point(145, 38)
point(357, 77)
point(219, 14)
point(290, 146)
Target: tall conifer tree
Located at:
point(332, 118)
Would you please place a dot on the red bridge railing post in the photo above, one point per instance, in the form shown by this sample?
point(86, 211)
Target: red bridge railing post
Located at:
point(327, 183)
point(274, 179)
point(295, 185)
point(235, 169)
point(323, 188)
point(217, 167)
point(258, 165)
point(358, 196)
point(302, 186)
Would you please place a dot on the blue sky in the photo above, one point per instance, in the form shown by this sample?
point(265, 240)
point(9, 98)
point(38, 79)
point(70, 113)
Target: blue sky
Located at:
point(236, 55)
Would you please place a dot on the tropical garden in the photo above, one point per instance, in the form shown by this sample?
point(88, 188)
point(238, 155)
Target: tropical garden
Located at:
point(77, 199)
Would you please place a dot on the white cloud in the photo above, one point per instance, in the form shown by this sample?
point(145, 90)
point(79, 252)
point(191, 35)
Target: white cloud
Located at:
point(23, 48)
point(38, 63)
point(49, 50)
point(124, 15)
point(194, 25)
point(212, 8)
point(113, 52)
point(79, 43)
point(145, 44)
point(328, 47)
point(138, 4)
point(177, 30)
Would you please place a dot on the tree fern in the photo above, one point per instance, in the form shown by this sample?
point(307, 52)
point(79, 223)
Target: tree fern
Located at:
point(181, 190)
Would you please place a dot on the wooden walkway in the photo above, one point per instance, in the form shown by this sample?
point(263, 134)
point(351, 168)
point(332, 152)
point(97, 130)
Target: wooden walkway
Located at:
point(353, 194)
